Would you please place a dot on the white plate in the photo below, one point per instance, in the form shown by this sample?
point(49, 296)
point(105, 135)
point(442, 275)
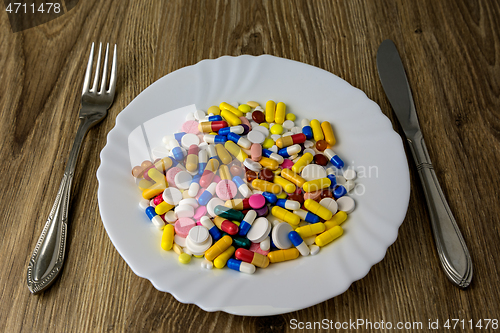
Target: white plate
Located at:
point(366, 141)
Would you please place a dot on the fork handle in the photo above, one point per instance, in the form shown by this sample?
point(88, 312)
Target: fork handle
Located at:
point(452, 250)
point(48, 256)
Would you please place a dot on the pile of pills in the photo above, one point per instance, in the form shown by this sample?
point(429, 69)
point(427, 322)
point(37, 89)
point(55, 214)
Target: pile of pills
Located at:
point(244, 186)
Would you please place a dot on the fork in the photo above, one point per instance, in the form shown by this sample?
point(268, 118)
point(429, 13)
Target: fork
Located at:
point(48, 256)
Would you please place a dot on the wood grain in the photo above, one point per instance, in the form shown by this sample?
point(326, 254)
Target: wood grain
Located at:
point(451, 51)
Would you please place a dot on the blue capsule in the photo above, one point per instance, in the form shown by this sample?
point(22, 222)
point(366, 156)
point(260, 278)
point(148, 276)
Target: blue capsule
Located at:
point(150, 212)
point(333, 181)
point(270, 197)
point(214, 118)
point(233, 129)
point(178, 136)
point(240, 266)
point(334, 159)
point(339, 191)
point(295, 238)
point(308, 132)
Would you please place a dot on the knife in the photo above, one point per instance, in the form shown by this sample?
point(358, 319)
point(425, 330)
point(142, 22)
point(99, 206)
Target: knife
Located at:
point(452, 250)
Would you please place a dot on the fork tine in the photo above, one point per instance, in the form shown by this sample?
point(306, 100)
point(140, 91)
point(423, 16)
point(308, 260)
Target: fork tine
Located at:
point(88, 72)
point(104, 71)
point(112, 80)
point(97, 68)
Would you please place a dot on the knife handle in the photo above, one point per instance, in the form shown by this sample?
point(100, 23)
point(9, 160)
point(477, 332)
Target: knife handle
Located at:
point(452, 250)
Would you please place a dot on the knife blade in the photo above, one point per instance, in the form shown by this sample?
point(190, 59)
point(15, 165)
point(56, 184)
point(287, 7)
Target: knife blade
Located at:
point(452, 250)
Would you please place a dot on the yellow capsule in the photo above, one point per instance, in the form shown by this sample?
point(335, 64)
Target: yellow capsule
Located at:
point(316, 185)
point(220, 246)
point(317, 131)
point(310, 229)
point(317, 209)
point(163, 207)
point(270, 110)
point(192, 162)
point(177, 249)
point(283, 255)
point(329, 236)
point(285, 215)
point(222, 258)
point(153, 191)
point(157, 176)
point(184, 258)
point(302, 162)
point(282, 195)
point(285, 141)
point(225, 106)
point(260, 260)
point(224, 172)
point(328, 132)
point(230, 117)
point(288, 186)
point(236, 151)
point(336, 219)
point(244, 108)
point(223, 154)
point(214, 110)
point(235, 204)
point(266, 186)
point(145, 184)
point(212, 165)
point(268, 163)
point(167, 238)
point(279, 117)
point(293, 177)
point(164, 164)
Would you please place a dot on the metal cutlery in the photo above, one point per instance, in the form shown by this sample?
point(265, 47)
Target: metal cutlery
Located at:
point(48, 256)
point(452, 250)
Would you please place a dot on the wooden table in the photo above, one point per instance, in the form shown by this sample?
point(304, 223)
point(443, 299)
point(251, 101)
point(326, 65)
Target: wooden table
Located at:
point(451, 53)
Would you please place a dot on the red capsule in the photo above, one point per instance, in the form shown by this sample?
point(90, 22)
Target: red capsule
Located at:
point(212, 126)
point(206, 178)
point(158, 199)
point(254, 258)
point(226, 225)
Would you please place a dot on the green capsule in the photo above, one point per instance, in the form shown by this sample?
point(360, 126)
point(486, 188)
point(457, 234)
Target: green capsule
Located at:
point(229, 213)
point(240, 241)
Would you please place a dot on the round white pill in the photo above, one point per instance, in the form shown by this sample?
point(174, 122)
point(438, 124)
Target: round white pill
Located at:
point(184, 211)
point(172, 196)
point(198, 234)
point(198, 249)
point(254, 136)
point(275, 137)
point(308, 144)
point(341, 180)
point(310, 151)
point(183, 180)
point(313, 172)
point(350, 174)
point(248, 115)
point(167, 138)
point(280, 236)
point(189, 201)
point(252, 165)
point(199, 114)
point(260, 230)
point(170, 216)
point(288, 124)
point(190, 116)
point(190, 139)
point(346, 204)
point(214, 202)
point(313, 249)
point(181, 241)
point(160, 152)
point(263, 130)
point(329, 204)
